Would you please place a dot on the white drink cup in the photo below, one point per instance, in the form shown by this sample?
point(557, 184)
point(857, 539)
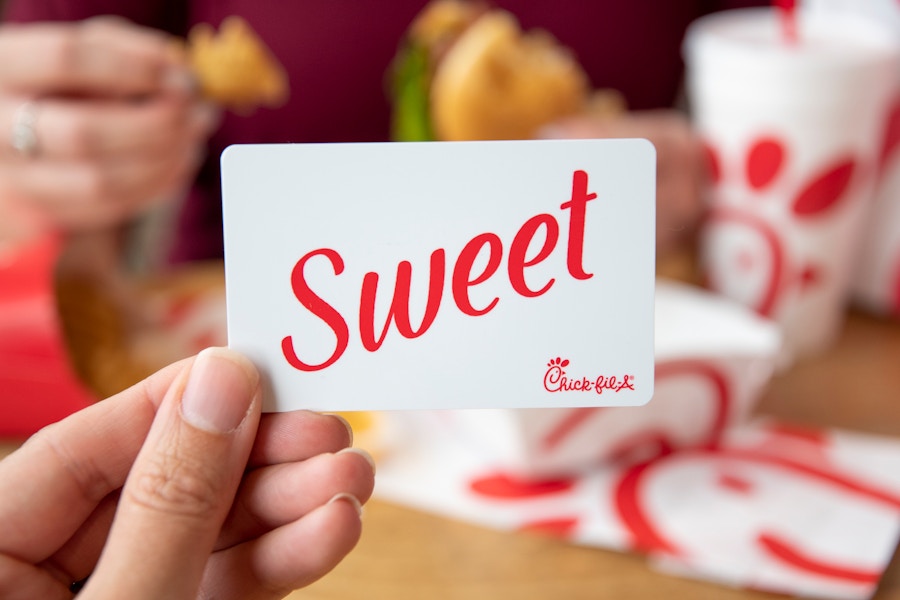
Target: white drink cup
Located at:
point(794, 131)
point(876, 283)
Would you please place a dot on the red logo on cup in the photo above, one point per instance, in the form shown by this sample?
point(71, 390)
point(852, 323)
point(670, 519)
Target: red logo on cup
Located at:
point(766, 162)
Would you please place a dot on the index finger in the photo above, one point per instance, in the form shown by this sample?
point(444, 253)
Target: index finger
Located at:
point(102, 56)
point(61, 474)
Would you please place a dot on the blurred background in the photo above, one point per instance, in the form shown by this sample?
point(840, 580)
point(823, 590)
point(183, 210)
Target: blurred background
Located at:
point(768, 461)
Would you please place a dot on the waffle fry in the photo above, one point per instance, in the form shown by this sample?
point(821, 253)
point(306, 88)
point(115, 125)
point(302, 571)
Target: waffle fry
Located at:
point(95, 334)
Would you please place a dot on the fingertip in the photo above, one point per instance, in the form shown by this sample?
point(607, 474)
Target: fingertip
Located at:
point(206, 117)
point(363, 453)
point(179, 80)
point(222, 389)
point(295, 554)
point(347, 498)
point(235, 357)
point(552, 132)
point(333, 529)
point(343, 421)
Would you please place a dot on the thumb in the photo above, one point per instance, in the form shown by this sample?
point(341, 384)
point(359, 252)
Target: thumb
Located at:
point(182, 483)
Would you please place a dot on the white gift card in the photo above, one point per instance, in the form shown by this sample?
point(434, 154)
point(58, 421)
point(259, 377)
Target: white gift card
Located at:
point(443, 275)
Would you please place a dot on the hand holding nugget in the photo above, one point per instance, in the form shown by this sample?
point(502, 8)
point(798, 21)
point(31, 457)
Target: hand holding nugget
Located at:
point(178, 488)
point(98, 120)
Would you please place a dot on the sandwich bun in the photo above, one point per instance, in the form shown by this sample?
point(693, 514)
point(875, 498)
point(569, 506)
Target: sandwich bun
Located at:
point(467, 71)
point(498, 82)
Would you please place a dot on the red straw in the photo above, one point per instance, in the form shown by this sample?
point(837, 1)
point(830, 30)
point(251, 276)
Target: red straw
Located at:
point(787, 10)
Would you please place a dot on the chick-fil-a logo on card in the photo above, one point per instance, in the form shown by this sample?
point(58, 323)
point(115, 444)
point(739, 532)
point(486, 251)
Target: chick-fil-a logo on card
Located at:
point(557, 380)
point(542, 229)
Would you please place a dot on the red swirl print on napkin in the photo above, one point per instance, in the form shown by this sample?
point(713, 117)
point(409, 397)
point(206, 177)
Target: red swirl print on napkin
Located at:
point(661, 431)
point(754, 261)
point(505, 487)
point(760, 499)
point(737, 479)
point(636, 444)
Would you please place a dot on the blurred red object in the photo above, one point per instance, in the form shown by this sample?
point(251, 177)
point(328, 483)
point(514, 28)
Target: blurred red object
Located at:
point(38, 385)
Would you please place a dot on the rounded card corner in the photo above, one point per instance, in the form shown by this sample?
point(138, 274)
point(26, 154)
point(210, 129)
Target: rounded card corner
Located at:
point(229, 152)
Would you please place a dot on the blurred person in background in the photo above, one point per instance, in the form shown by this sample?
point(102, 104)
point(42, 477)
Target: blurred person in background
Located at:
point(118, 126)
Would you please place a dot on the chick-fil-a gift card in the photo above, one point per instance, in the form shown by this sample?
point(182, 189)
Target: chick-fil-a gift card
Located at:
point(381, 276)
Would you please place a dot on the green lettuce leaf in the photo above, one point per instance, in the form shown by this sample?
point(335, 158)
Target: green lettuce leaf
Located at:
point(409, 90)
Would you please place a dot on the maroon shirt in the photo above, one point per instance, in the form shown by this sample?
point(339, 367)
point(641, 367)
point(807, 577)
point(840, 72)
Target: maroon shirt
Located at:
point(336, 53)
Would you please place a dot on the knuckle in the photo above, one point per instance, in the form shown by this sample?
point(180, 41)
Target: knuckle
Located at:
point(79, 136)
point(103, 24)
point(95, 31)
point(78, 49)
point(174, 485)
point(89, 480)
point(96, 184)
point(61, 53)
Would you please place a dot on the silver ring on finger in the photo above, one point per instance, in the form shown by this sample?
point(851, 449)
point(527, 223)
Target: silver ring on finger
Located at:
point(23, 136)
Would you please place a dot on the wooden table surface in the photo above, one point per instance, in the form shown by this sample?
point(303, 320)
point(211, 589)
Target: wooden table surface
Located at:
point(406, 554)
